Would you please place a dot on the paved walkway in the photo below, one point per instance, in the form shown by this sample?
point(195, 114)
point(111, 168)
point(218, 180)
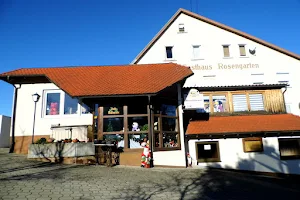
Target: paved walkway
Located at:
point(24, 179)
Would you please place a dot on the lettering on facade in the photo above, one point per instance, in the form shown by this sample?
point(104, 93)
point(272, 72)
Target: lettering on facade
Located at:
point(222, 66)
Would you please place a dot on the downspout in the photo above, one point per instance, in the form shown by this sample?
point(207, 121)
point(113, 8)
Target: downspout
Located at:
point(285, 89)
point(13, 121)
point(151, 138)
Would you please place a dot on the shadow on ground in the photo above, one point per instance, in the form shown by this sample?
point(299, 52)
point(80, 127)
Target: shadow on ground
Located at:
point(215, 184)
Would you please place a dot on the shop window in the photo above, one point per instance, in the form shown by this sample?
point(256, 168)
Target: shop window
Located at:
point(136, 139)
point(70, 105)
point(219, 103)
point(137, 109)
point(242, 50)
point(113, 124)
point(138, 123)
point(256, 102)
point(169, 52)
point(226, 51)
point(196, 51)
point(240, 102)
point(113, 110)
point(53, 103)
point(168, 110)
point(118, 138)
point(206, 104)
point(156, 140)
point(156, 124)
point(253, 145)
point(208, 152)
point(169, 124)
point(289, 148)
point(170, 140)
point(85, 109)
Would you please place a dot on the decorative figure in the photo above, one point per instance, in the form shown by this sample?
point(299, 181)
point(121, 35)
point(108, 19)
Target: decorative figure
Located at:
point(156, 126)
point(146, 154)
point(53, 108)
point(190, 160)
point(135, 126)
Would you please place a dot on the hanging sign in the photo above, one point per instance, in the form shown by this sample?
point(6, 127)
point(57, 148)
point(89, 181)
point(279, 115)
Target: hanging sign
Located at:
point(194, 100)
point(113, 111)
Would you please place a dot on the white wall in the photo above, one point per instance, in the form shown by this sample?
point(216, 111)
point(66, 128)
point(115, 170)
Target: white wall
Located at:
point(211, 40)
point(25, 113)
point(4, 131)
point(233, 156)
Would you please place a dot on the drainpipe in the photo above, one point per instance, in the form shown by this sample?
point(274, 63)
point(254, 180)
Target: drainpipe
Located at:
point(151, 139)
point(285, 89)
point(16, 88)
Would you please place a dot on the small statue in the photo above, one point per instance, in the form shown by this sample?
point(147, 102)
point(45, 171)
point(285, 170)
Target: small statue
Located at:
point(135, 126)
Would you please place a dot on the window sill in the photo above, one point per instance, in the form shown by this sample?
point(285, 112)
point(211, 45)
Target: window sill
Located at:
point(244, 56)
point(169, 60)
point(227, 57)
point(181, 32)
point(195, 59)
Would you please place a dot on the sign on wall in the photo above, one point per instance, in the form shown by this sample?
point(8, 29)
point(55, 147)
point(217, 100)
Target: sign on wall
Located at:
point(194, 100)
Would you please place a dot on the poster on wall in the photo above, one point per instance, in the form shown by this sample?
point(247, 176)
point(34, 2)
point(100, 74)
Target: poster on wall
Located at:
point(193, 99)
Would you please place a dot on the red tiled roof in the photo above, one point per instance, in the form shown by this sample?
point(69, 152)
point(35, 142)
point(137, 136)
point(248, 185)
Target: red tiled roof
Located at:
point(109, 80)
point(245, 124)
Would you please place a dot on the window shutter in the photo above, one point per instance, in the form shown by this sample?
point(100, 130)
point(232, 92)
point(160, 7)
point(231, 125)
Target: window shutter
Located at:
point(226, 51)
point(240, 102)
point(256, 102)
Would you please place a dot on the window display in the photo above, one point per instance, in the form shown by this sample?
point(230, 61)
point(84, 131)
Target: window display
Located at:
point(70, 105)
point(135, 140)
point(113, 124)
point(118, 138)
point(113, 110)
point(206, 104)
point(53, 104)
point(219, 103)
point(170, 140)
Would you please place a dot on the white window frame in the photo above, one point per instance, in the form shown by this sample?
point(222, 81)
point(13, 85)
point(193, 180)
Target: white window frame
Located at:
point(61, 105)
point(193, 55)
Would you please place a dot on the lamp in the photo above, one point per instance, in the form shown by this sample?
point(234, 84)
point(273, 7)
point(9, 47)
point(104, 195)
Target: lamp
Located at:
point(35, 98)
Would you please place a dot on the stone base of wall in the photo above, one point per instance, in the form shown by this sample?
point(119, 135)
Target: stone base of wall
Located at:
point(22, 142)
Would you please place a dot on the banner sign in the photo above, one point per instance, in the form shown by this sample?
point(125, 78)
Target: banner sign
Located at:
point(194, 100)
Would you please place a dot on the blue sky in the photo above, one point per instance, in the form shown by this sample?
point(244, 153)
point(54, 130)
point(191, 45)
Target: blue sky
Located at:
point(51, 33)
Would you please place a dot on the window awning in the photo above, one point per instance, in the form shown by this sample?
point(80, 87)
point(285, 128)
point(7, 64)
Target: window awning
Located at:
point(224, 125)
point(104, 80)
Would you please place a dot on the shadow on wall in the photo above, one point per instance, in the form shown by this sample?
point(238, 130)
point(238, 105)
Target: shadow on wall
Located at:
point(266, 161)
point(211, 184)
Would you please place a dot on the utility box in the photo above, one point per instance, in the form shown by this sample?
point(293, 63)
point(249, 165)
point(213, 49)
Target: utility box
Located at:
point(4, 131)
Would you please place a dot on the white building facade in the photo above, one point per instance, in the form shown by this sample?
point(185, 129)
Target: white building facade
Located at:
point(225, 59)
point(219, 57)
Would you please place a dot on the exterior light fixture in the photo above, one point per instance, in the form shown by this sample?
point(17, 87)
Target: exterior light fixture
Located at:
point(35, 98)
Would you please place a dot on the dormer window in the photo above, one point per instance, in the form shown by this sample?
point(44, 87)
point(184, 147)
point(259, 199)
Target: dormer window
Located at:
point(181, 28)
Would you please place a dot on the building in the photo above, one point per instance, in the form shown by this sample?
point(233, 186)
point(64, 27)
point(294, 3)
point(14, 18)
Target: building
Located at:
point(238, 76)
point(4, 131)
point(234, 106)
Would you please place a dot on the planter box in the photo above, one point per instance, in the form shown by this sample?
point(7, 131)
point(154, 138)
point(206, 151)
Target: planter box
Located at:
point(60, 150)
